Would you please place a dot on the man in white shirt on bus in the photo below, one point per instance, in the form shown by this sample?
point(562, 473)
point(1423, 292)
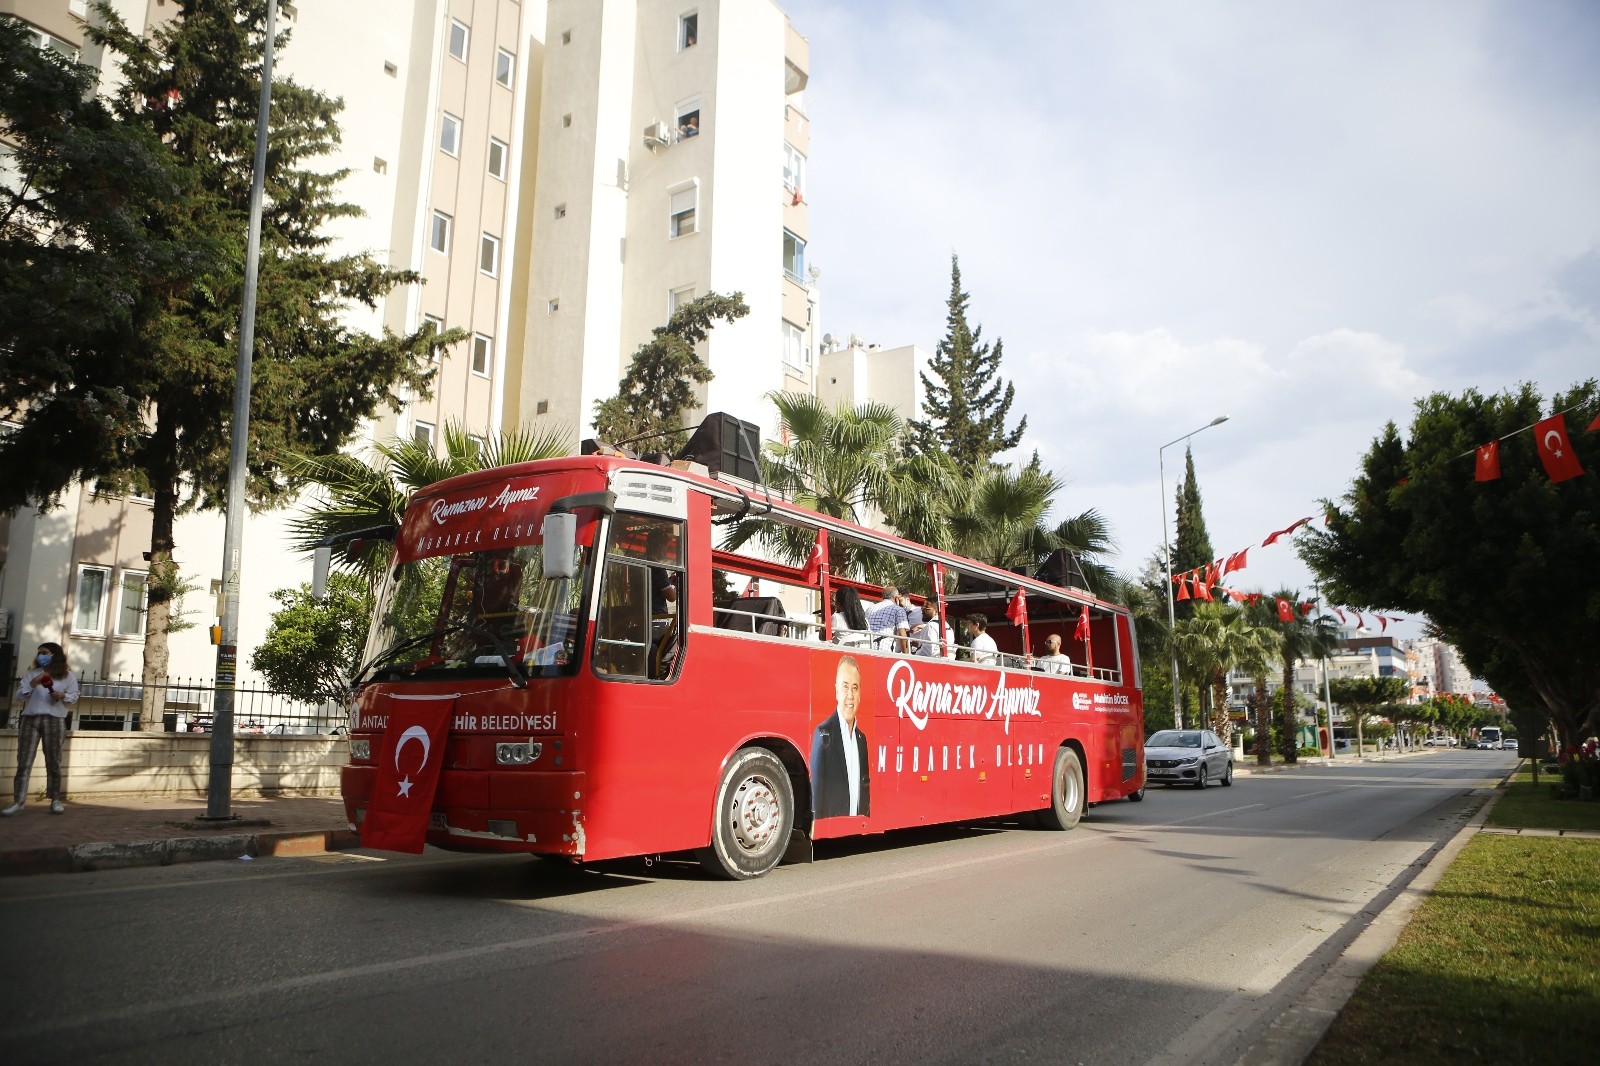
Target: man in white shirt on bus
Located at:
point(980, 645)
point(1052, 661)
point(839, 779)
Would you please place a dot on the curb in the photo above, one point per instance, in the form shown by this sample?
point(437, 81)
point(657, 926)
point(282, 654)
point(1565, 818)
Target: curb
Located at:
point(84, 858)
point(1294, 1035)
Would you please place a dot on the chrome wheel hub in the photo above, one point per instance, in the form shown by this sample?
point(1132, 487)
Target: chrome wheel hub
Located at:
point(756, 814)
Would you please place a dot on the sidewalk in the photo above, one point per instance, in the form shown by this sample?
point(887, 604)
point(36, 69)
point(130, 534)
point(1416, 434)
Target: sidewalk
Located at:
point(110, 833)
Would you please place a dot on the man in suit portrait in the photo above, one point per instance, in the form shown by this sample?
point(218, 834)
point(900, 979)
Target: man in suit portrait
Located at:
point(839, 783)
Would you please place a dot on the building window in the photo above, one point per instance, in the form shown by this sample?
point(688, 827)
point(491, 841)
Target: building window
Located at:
point(89, 612)
point(566, 120)
point(459, 35)
point(422, 433)
point(78, 7)
point(796, 352)
point(678, 297)
point(489, 255)
point(450, 134)
point(130, 604)
point(542, 407)
point(688, 120)
point(439, 236)
point(566, 36)
point(683, 202)
point(688, 30)
point(380, 166)
point(794, 257)
point(499, 151)
point(482, 354)
point(794, 171)
point(391, 69)
point(505, 67)
point(553, 306)
point(561, 211)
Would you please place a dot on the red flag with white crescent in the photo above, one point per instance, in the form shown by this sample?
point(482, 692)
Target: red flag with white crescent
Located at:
point(1017, 609)
point(409, 759)
point(1555, 449)
point(818, 560)
point(1285, 610)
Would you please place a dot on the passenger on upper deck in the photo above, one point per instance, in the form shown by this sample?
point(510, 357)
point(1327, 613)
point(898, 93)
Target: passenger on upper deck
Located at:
point(887, 619)
point(1052, 661)
point(849, 618)
point(981, 648)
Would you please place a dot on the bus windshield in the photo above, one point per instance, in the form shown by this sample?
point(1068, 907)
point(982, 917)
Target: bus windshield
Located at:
point(479, 614)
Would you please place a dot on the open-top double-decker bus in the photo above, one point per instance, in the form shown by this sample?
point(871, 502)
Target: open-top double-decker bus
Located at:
point(594, 691)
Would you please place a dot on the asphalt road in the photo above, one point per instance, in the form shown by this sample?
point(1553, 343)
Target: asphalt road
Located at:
point(1169, 931)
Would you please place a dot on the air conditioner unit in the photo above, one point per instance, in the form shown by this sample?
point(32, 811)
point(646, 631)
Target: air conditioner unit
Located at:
point(657, 135)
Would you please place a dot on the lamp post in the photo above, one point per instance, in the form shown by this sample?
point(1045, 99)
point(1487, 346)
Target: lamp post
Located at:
point(1166, 550)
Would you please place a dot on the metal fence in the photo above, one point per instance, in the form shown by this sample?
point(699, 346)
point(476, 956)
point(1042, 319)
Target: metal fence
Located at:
point(186, 706)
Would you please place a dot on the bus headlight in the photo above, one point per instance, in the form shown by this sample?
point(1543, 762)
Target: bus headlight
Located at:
point(361, 749)
point(517, 753)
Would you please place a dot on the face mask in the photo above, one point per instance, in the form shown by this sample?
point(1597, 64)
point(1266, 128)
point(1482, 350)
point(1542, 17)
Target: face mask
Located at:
point(43, 659)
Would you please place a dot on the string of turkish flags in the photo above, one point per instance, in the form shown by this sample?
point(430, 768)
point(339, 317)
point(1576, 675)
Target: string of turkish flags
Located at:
point(1550, 437)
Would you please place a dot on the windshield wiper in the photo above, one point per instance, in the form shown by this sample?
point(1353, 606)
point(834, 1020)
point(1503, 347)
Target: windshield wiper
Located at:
point(507, 655)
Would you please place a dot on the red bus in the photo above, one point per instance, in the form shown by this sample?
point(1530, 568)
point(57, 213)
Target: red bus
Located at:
point(608, 682)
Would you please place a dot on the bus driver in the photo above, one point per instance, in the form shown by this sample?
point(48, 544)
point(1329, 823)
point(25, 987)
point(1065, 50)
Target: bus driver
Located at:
point(839, 782)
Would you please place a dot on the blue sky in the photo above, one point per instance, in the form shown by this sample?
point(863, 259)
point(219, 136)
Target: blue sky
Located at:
point(1303, 216)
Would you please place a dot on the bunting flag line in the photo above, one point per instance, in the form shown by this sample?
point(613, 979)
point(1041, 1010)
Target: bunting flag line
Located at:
point(1183, 588)
point(1592, 427)
point(1489, 461)
point(1285, 611)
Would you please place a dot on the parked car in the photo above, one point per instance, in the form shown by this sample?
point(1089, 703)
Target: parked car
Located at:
point(1194, 757)
point(1472, 742)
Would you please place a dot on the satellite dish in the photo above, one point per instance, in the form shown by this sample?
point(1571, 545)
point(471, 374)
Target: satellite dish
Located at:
point(827, 340)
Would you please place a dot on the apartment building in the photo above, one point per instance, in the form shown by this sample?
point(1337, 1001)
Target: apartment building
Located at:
point(670, 162)
point(433, 136)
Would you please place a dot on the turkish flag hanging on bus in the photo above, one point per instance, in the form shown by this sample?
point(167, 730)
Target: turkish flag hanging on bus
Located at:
point(818, 559)
point(1017, 609)
point(408, 773)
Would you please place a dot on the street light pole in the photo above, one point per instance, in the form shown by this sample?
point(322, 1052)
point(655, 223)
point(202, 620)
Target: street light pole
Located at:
point(219, 787)
point(1166, 550)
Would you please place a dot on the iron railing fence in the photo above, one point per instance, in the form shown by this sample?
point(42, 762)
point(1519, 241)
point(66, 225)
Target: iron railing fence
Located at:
point(115, 703)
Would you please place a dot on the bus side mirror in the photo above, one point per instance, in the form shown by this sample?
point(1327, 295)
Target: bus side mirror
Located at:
point(321, 559)
point(560, 558)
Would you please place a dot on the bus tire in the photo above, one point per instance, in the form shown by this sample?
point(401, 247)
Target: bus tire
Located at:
point(751, 820)
point(1067, 793)
point(1137, 797)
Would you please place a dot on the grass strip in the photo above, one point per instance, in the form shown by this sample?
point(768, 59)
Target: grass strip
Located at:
point(1524, 805)
point(1500, 964)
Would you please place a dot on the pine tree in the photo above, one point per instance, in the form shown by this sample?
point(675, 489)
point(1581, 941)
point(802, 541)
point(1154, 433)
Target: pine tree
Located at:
point(1192, 547)
point(658, 389)
point(966, 399)
point(153, 388)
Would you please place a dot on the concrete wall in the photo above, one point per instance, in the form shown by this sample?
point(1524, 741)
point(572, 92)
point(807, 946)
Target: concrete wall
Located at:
point(98, 763)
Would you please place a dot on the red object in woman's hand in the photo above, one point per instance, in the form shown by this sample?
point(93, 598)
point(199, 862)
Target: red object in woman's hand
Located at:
point(47, 681)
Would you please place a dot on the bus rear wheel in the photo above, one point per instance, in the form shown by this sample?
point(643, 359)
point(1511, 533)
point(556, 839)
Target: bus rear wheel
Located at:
point(753, 816)
point(1067, 793)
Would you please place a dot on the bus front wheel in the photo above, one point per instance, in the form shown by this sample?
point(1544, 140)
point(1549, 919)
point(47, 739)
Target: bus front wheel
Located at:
point(754, 813)
point(1067, 793)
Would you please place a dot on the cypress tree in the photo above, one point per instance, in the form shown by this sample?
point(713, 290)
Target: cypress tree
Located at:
point(966, 399)
point(1192, 547)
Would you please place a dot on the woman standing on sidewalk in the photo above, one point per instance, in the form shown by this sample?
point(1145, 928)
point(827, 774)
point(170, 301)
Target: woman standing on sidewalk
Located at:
point(48, 690)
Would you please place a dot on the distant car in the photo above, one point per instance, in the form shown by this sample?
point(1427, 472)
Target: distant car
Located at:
point(1194, 757)
point(1472, 743)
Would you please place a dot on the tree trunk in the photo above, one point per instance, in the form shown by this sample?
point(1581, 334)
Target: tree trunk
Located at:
point(1291, 715)
point(1263, 710)
point(163, 582)
point(1221, 724)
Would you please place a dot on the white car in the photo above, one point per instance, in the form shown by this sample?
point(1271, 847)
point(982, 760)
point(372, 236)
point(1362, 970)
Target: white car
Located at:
point(1194, 757)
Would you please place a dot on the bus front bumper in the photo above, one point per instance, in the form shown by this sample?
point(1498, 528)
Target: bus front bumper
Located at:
point(476, 810)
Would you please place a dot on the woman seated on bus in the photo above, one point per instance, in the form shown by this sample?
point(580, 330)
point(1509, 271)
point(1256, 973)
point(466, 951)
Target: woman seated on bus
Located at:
point(849, 619)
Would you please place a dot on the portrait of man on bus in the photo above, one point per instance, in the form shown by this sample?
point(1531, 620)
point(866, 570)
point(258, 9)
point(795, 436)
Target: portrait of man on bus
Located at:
point(840, 784)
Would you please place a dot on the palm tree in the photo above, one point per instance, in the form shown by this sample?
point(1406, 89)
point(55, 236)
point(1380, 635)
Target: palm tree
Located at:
point(360, 493)
point(842, 462)
point(1302, 637)
point(1216, 639)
